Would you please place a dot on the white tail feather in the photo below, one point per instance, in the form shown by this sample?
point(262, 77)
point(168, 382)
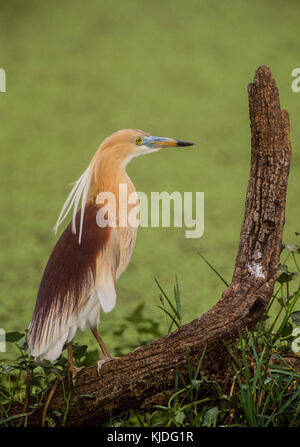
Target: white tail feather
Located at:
point(79, 191)
point(83, 202)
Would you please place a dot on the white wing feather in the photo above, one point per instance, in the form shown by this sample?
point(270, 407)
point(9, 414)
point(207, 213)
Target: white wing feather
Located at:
point(79, 191)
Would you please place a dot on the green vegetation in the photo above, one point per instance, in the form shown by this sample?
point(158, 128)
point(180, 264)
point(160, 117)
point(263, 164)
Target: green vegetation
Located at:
point(262, 389)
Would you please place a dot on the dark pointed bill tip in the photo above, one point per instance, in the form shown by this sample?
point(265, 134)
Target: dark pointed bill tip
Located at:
point(184, 143)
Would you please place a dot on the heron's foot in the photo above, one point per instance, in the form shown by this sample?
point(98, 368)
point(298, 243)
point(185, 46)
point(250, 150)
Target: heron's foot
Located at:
point(74, 370)
point(105, 359)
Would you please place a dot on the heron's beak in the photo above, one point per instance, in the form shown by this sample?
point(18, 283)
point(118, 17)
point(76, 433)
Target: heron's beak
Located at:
point(160, 142)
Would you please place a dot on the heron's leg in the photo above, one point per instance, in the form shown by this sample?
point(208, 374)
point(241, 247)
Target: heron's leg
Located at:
point(72, 368)
point(103, 348)
point(107, 355)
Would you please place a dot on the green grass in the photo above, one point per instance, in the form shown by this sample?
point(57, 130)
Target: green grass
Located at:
point(76, 72)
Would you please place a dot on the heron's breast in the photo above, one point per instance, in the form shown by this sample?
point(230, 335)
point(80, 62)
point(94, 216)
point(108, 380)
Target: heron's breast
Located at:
point(127, 240)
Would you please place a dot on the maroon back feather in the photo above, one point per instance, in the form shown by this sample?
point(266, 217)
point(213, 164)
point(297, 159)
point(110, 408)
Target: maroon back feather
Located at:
point(70, 273)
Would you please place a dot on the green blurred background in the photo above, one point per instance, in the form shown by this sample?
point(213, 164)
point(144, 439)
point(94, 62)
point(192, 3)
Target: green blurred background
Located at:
point(78, 71)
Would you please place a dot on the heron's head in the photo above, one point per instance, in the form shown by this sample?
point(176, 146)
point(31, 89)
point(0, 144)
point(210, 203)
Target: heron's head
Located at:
point(129, 143)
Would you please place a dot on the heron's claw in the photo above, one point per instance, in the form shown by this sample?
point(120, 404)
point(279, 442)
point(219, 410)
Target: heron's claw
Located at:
point(74, 371)
point(101, 362)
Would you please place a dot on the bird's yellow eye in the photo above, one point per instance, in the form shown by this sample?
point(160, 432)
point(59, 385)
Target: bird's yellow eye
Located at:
point(139, 140)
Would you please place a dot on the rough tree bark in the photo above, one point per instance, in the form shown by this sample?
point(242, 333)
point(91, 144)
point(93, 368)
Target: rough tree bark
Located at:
point(138, 378)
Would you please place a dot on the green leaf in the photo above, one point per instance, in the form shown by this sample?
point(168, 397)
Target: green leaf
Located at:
point(296, 317)
point(171, 316)
point(91, 358)
point(79, 351)
point(293, 248)
point(51, 422)
point(168, 301)
point(283, 274)
point(180, 416)
point(196, 383)
point(287, 330)
point(6, 368)
point(178, 300)
point(210, 417)
point(22, 343)
point(89, 396)
point(217, 273)
point(13, 337)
